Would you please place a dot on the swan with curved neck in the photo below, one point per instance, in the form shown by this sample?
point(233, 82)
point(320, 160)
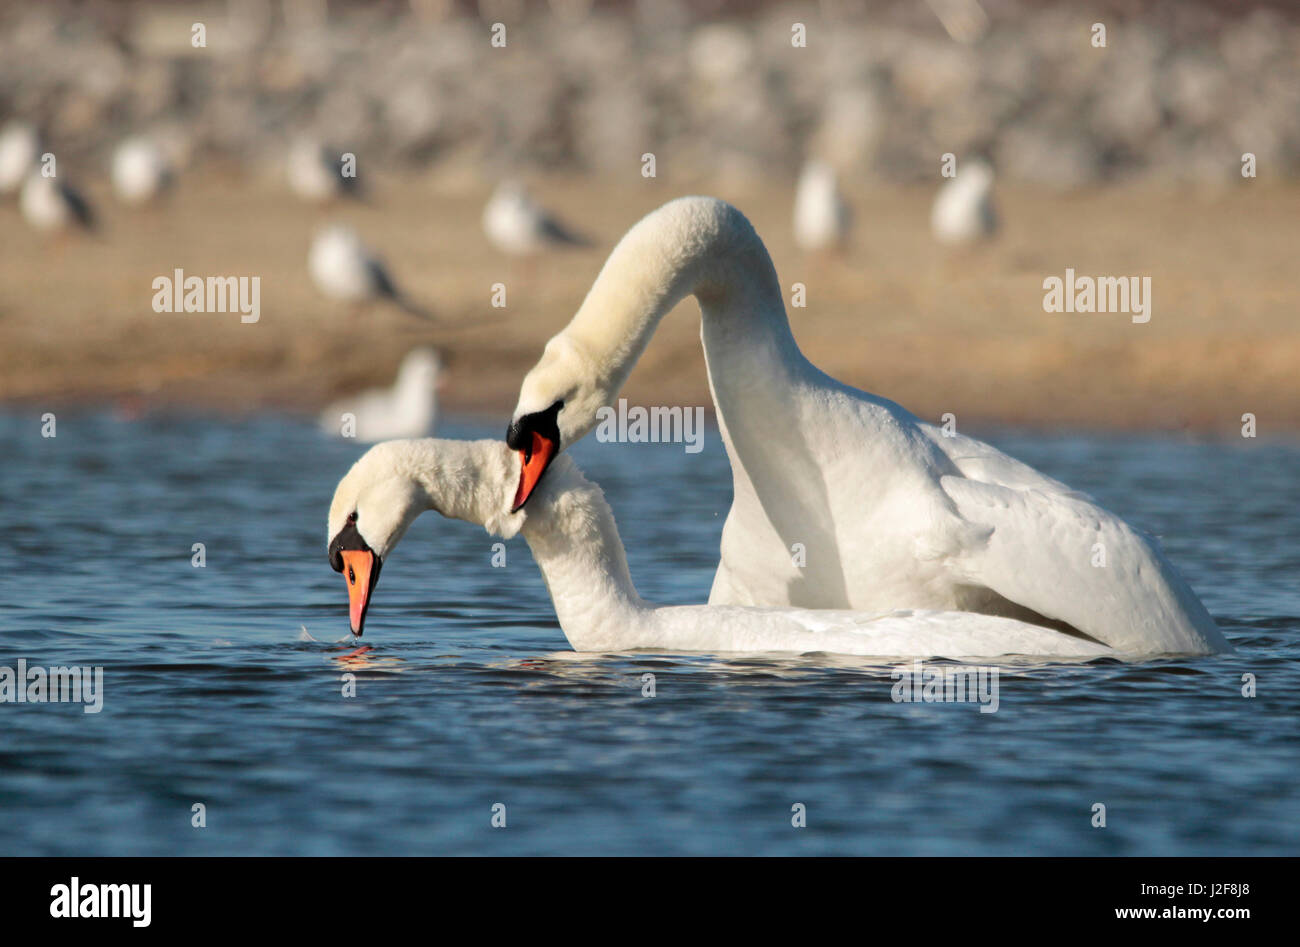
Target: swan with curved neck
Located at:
point(571, 531)
point(891, 511)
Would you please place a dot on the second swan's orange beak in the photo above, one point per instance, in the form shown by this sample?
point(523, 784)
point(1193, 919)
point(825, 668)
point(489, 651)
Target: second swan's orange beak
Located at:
point(535, 460)
point(361, 570)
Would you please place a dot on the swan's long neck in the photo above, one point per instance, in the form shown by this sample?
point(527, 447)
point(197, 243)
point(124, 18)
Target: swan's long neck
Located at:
point(574, 540)
point(691, 246)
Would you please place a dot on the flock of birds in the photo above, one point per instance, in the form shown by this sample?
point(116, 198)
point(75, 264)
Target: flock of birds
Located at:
point(344, 269)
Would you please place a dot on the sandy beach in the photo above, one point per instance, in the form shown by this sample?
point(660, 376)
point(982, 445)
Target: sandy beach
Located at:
point(940, 331)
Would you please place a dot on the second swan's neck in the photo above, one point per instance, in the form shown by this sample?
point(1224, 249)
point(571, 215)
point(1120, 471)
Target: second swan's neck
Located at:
point(574, 540)
point(697, 246)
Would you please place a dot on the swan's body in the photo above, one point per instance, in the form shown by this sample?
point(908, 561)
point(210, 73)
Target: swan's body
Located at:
point(344, 269)
point(889, 512)
point(408, 409)
point(821, 215)
point(20, 150)
point(315, 173)
point(963, 209)
point(519, 226)
point(50, 205)
point(140, 170)
point(572, 534)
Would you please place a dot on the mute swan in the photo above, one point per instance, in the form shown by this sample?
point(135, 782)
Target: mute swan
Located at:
point(963, 209)
point(343, 269)
point(821, 215)
point(517, 225)
point(20, 150)
point(571, 532)
point(408, 409)
point(49, 204)
point(315, 173)
point(890, 512)
point(140, 170)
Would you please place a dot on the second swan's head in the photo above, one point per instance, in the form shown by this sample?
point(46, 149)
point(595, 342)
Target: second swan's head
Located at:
point(558, 403)
point(393, 483)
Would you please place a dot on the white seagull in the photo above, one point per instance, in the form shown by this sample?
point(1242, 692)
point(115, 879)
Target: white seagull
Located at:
point(963, 209)
point(20, 150)
point(316, 173)
point(887, 511)
point(519, 226)
point(408, 409)
point(821, 215)
point(344, 269)
point(140, 170)
point(574, 540)
point(49, 204)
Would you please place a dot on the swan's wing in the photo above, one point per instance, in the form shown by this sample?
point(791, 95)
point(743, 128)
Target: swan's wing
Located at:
point(946, 634)
point(1068, 559)
point(985, 463)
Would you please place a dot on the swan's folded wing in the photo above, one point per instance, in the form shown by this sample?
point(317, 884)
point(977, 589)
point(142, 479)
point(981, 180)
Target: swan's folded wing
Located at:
point(1068, 559)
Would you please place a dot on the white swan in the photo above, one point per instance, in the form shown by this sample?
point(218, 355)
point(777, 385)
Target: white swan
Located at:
point(344, 269)
point(821, 215)
point(140, 170)
point(408, 409)
point(571, 532)
point(519, 226)
point(20, 150)
point(51, 205)
point(963, 209)
point(889, 511)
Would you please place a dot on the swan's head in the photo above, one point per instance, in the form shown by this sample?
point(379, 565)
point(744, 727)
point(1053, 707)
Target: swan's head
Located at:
point(557, 406)
point(393, 483)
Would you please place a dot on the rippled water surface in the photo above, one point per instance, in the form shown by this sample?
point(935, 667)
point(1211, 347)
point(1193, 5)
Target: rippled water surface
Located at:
point(213, 694)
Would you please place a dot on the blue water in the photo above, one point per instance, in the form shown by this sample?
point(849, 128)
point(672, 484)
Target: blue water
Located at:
point(213, 695)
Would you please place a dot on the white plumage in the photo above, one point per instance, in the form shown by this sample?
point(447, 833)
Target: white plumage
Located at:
point(48, 204)
point(408, 409)
point(20, 150)
point(890, 512)
point(821, 215)
point(519, 226)
point(343, 268)
point(963, 209)
point(574, 540)
point(140, 170)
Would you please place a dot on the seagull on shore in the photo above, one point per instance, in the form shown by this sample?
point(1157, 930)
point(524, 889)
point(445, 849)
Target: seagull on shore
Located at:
point(344, 269)
point(316, 173)
point(519, 226)
point(20, 150)
point(140, 170)
point(408, 409)
point(963, 209)
point(821, 215)
point(48, 204)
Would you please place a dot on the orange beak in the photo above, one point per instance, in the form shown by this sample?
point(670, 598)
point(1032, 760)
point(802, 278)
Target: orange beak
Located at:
point(361, 570)
point(535, 461)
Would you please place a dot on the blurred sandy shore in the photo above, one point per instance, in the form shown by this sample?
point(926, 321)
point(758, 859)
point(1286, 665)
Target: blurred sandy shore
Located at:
point(961, 332)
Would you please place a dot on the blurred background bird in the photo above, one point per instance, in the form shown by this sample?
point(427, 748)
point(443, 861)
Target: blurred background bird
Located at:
point(48, 204)
point(963, 209)
point(409, 408)
point(316, 173)
point(140, 170)
point(20, 150)
point(517, 225)
point(822, 217)
point(343, 268)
